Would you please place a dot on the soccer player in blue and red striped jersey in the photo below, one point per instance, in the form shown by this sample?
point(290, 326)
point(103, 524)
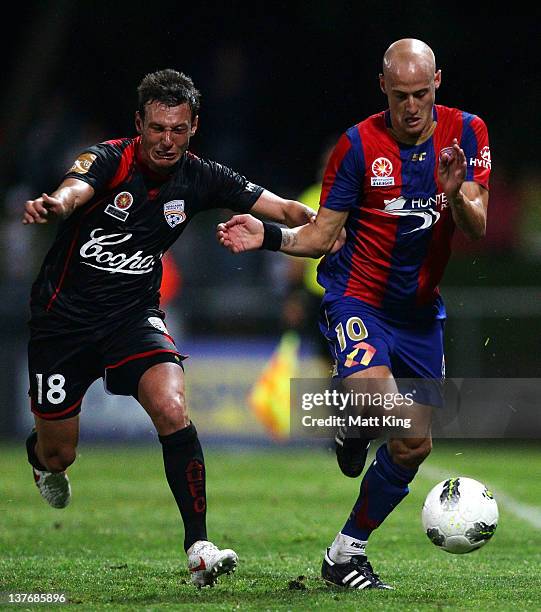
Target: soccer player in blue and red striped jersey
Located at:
point(399, 182)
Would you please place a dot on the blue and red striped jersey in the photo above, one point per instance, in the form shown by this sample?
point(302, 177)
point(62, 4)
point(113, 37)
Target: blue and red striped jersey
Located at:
point(399, 228)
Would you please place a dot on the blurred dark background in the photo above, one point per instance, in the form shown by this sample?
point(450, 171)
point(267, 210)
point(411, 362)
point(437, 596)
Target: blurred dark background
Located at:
point(278, 80)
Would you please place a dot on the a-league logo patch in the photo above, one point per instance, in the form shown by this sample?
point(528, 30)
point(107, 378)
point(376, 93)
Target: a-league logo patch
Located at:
point(123, 200)
point(382, 168)
point(174, 212)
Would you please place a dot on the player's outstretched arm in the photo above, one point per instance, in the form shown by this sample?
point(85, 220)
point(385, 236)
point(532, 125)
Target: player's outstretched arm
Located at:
point(246, 233)
point(289, 212)
point(468, 200)
point(241, 233)
point(71, 194)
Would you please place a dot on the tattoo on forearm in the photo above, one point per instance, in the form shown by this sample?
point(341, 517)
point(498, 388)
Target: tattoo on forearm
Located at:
point(289, 238)
point(310, 212)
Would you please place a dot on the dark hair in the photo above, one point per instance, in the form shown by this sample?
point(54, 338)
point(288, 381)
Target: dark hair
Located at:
point(169, 87)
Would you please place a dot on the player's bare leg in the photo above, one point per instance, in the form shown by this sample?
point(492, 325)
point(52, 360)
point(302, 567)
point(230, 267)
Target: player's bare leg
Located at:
point(409, 452)
point(161, 393)
point(51, 450)
point(351, 446)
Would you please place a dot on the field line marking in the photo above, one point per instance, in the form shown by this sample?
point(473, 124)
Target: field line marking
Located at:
point(526, 512)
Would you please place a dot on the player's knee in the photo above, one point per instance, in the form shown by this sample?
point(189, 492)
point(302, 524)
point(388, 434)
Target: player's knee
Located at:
point(58, 459)
point(170, 414)
point(411, 453)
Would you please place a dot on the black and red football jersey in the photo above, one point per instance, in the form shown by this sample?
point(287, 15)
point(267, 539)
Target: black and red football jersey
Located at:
point(106, 257)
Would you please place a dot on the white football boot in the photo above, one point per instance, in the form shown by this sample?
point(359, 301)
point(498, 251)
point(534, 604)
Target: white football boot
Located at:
point(53, 487)
point(206, 562)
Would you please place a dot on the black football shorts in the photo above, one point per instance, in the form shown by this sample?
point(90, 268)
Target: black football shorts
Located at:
point(64, 362)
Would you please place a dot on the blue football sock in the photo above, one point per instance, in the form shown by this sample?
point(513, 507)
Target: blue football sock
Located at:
point(383, 487)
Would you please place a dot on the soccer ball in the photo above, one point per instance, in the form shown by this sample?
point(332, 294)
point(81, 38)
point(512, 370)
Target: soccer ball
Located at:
point(460, 515)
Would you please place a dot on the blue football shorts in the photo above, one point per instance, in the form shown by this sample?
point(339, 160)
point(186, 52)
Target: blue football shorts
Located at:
point(361, 337)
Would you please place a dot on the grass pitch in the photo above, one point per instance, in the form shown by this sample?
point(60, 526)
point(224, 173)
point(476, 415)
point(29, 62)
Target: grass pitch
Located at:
point(119, 543)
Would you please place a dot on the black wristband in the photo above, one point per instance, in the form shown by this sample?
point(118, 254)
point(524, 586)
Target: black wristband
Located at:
point(272, 237)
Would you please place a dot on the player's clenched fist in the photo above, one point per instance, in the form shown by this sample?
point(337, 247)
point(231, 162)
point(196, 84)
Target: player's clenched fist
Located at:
point(452, 168)
point(241, 233)
point(38, 210)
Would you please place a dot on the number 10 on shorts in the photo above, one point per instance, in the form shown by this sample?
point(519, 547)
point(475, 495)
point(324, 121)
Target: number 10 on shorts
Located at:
point(55, 393)
point(355, 330)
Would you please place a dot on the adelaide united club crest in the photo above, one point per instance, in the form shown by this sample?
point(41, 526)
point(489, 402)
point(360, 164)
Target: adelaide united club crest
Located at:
point(174, 212)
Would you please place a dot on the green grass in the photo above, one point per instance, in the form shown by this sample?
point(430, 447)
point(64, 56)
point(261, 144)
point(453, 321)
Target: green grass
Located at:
point(119, 543)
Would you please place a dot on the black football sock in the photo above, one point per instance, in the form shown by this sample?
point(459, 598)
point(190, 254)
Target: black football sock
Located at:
point(31, 442)
point(185, 472)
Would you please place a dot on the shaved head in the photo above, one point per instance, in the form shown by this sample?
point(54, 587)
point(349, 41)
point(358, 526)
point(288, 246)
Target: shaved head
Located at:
point(409, 56)
point(410, 80)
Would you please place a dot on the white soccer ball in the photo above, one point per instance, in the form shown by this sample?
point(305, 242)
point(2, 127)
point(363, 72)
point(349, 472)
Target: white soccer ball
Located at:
point(460, 515)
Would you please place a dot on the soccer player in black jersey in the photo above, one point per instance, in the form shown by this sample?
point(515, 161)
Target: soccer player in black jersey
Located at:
point(95, 303)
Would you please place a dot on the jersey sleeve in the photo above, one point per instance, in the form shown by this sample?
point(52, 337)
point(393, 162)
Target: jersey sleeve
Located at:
point(222, 187)
point(342, 182)
point(475, 144)
point(96, 165)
